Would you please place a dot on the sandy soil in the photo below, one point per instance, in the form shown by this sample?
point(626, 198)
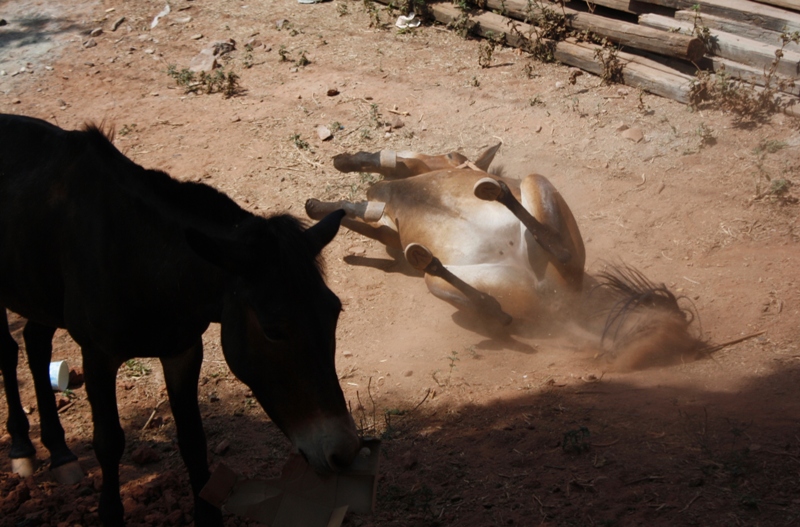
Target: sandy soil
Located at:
point(478, 430)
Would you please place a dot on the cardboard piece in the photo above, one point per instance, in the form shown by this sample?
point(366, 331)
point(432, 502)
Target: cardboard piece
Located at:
point(300, 497)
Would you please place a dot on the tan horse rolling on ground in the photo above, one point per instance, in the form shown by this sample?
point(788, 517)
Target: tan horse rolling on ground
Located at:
point(504, 248)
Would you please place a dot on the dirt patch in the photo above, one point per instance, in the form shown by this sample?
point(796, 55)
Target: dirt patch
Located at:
point(478, 429)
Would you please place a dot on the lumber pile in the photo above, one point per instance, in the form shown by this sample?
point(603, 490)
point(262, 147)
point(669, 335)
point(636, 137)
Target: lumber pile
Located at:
point(656, 45)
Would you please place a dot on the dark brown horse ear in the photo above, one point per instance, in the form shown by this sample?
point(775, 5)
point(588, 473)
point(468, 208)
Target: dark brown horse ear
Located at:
point(224, 253)
point(324, 231)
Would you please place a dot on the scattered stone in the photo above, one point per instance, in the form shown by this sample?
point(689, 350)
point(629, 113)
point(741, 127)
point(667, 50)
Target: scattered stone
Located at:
point(397, 123)
point(333, 92)
point(294, 70)
point(149, 51)
point(559, 85)
point(622, 92)
point(621, 127)
point(3, 73)
point(198, 36)
point(62, 401)
point(184, 20)
point(222, 447)
point(408, 373)
point(15, 101)
point(145, 454)
point(203, 61)
point(213, 397)
point(221, 47)
point(96, 32)
point(345, 354)
point(357, 250)
point(387, 135)
point(324, 133)
point(90, 43)
point(280, 23)
point(634, 134)
point(235, 119)
point(574, 73)
point(118, 22)
point(3, 22)
point(28, 409)
point(254, 43)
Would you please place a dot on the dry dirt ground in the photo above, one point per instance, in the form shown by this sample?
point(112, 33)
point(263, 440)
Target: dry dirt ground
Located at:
point(477, 430)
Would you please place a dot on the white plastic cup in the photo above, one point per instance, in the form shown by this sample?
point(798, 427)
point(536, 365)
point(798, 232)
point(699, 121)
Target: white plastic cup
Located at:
point(59, 375)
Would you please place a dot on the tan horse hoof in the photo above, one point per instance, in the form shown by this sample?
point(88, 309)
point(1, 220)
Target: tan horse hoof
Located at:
point(24, 466)
point(487, 189)
point(418, 256)
point(68, 473)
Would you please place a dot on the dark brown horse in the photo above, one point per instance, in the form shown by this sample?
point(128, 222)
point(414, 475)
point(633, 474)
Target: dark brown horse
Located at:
point(133, 263)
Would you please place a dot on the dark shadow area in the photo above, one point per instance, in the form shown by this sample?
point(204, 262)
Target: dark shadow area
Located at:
point(26, 31)
point(598, 453)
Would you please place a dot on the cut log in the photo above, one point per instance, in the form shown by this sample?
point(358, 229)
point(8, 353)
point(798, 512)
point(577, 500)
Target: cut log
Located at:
point(640, 72)
point(741, 29)
point(617, 31)
point(736, 70)
point(786, 4)
point(633, 7)
point(739, 49)
point(765, 16)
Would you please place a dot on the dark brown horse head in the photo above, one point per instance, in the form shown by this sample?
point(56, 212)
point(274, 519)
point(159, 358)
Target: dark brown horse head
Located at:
point(279, 332)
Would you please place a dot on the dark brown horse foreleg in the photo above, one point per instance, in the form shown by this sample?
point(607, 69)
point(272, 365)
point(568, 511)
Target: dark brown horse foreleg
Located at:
point(490, 189)
point(421, 258)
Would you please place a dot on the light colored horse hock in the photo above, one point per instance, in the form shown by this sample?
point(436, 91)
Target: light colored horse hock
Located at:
point(24, 466)
point(68, 473)
point(487, 189)
point(418, 256)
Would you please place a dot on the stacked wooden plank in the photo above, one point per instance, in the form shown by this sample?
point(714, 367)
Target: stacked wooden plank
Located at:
point(662, 43)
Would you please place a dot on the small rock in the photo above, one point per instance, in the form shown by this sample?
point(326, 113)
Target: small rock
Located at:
point(222, 447)
point(357, 250)
point(235, 119)
point(323, 133)
point(280, 23)
point(294, 70)
point(149, 51)
point(3, 22)
point(184, 20)
point(254, 43)
point(344, 354)
point(96, 32)
point(15, 101)
point(333, 92)
point(387, 135)
point(221, 47)
point(61, 402)
point(634, 134)
point(90, 43)
point(213, 398)
point(559, 85)
point(622, 92)
point(198, 36)
point(204, 61)
point(145, 454)
point(397, 123)
point(621, 127)
point(118, 22)
point(408, 373)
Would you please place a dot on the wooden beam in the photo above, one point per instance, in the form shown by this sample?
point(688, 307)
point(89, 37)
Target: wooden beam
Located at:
point(637, 71)
point(732, 47)
point(741, 29)
point(617, 31)
point(766, 16)
point(736, 70)
point(633, 7)
point(786, 4)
